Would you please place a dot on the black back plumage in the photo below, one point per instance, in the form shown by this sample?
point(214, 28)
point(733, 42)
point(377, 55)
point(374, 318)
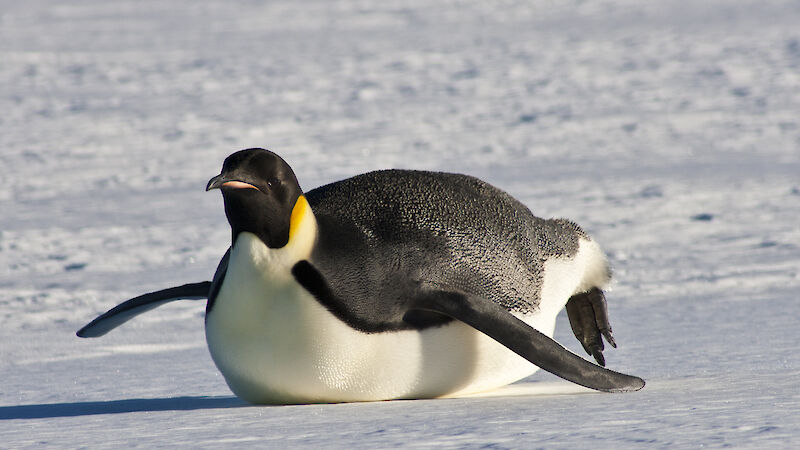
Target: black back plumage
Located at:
point(386, 235)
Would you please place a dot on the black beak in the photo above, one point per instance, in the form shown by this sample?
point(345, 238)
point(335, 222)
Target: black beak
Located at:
point(221, 181)
point(216, 182)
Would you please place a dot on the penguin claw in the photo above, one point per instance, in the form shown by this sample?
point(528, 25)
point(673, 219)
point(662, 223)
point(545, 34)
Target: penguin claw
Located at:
point(588, 317)
point(598, 356)
point(607, 334)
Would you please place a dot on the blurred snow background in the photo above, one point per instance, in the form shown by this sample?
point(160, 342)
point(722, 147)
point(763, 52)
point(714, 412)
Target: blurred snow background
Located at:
point(670, 130)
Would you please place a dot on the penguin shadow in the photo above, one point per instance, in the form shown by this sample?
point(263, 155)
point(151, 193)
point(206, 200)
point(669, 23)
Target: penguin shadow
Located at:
point(76, 409)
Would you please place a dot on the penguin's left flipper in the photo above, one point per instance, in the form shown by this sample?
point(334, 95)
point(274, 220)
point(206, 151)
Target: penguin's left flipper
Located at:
point(497, 323)
point(129, 309)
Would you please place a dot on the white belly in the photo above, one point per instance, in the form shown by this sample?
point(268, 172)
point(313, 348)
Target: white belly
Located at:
point(279, 345)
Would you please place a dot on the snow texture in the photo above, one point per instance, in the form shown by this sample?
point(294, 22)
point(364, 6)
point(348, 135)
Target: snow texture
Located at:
point(669, 130)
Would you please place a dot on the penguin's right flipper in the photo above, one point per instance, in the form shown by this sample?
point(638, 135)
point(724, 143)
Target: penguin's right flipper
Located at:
point(497, 323)
point(129, 309)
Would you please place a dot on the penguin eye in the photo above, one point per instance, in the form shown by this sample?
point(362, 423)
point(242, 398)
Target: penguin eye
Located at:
point(272, 182)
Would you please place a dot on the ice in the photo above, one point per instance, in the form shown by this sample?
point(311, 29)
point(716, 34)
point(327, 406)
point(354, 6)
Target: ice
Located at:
point(669, 130)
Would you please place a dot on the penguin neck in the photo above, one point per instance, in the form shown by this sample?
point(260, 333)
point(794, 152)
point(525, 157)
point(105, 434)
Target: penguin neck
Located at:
point(302, 239)
point(258, 276)
point(248, 210)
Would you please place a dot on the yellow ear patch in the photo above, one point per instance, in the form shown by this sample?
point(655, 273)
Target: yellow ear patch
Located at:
point(298, 213)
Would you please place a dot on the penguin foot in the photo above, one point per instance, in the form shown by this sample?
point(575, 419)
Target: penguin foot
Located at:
point(588, 317)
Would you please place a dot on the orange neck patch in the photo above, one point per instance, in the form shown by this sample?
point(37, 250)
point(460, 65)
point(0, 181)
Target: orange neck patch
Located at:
point(298, 213)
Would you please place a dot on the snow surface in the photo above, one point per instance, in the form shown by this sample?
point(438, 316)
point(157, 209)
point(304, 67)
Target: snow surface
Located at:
point(670, 130)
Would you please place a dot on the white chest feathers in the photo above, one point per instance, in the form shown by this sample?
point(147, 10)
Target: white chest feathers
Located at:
point(274, 343)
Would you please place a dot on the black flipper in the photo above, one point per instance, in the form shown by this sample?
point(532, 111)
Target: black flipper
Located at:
point(497, 323)
point(129, 309)
point(216, 282)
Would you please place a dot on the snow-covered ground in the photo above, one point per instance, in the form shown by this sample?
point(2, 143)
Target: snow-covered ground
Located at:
point(670, 130)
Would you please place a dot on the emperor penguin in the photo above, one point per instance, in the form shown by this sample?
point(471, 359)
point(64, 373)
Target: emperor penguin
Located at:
point(394, 284)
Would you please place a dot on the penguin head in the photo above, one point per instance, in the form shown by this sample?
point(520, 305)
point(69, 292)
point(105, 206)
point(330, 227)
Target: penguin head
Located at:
point(261, 195)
